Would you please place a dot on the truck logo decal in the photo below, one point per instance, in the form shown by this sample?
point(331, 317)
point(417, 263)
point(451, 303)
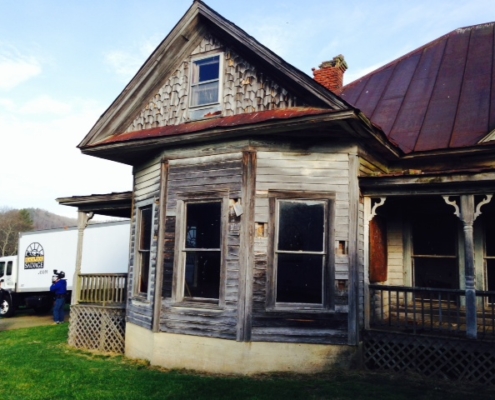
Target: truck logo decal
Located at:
point(34, 257)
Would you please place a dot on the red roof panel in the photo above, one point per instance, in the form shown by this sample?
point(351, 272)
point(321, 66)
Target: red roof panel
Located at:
point(217, 122)
point(439, 96)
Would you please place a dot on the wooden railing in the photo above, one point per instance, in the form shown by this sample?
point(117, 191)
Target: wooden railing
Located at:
point(102, 289)
point(418, 310)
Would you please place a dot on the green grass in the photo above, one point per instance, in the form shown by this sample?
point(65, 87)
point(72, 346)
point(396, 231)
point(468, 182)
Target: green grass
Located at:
point(36, 363)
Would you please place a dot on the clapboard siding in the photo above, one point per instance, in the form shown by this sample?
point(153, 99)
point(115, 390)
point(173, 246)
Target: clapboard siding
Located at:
point(146, 188)
point(312, 172)
point(216, 173)
point(395, 252)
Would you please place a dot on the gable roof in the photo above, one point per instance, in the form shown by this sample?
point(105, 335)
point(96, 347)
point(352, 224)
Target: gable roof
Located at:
point(177, 45)
point(439, 96)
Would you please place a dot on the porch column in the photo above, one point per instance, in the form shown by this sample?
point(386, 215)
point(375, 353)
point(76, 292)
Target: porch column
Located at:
point(467, 218)
point(83, 219)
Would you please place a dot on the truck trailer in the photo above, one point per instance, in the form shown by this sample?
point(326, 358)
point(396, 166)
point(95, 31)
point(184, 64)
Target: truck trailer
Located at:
point(26, 278)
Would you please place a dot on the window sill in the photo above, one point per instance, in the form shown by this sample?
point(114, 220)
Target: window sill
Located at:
point(140, 301)
point(198, 305)
point(300, 309)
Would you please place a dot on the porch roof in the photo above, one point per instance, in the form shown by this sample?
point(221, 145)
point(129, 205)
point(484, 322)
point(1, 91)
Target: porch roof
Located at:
point(116, 204)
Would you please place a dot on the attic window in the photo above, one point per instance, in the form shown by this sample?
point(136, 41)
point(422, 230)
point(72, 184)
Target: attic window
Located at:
point(205, 81)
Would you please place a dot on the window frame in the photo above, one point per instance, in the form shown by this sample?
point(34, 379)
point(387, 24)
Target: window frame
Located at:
point(180, 251)
point(328, 267)
point(194, 60)
point(137, 293)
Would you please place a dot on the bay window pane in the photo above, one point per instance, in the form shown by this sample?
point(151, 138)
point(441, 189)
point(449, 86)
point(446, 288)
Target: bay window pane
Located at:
point(300, 278)
point(202, 275)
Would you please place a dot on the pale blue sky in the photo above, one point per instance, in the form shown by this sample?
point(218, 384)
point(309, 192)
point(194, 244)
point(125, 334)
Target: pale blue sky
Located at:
point(63, 62)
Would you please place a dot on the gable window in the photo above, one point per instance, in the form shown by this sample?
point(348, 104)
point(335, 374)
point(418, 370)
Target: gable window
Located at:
point(202, 250)
point(302, 258)
point(205, 81)
point(145, 226)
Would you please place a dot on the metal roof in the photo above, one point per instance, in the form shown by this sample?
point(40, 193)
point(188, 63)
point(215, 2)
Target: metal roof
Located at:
point(439, 96)
point(216, 122)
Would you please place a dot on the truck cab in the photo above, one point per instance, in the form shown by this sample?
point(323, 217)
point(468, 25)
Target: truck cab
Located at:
point(8, 271)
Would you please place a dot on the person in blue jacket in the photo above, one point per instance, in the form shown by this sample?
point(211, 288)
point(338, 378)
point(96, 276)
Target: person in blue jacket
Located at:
point(59, 288)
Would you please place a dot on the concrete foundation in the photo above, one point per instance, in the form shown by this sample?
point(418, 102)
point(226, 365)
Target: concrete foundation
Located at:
point(220, 356)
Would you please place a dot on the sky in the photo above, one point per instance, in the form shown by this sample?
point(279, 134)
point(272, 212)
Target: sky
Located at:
point(63, 62)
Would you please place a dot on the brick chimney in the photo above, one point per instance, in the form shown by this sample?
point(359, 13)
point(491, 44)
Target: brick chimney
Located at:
point(331, 74)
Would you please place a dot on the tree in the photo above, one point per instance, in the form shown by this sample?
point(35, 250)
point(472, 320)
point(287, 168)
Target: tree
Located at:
point(11, 223)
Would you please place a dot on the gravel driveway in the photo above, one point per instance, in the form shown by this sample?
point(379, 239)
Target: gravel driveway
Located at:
point(27, 319)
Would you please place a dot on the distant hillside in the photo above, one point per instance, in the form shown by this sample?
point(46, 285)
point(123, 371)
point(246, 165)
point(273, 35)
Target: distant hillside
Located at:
point(43, 219)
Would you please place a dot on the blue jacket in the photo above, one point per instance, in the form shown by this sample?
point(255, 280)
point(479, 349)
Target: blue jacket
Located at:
point(59, 287)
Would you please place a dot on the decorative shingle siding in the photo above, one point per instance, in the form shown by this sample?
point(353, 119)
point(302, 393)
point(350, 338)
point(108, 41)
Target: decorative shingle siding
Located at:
point(245, 89)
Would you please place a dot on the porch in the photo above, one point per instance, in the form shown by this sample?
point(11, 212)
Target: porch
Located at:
point(98, 313)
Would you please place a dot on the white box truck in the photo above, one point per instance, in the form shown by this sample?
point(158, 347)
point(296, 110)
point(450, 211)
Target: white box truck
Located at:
point(27, 277)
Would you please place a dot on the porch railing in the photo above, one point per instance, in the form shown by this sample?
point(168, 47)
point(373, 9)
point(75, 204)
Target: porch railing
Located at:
point(419, 310)
point(103, 289)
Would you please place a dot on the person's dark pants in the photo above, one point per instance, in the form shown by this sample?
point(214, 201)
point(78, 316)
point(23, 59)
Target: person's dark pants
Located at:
point(58, 309)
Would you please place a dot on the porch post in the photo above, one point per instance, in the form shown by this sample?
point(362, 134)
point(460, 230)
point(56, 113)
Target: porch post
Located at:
point(83, 219)
point(467, 218)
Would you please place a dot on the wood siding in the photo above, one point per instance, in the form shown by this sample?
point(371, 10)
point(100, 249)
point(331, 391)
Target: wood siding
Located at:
point(187, 177)
point(312, 172)
point(245, 89)
point(146, 188)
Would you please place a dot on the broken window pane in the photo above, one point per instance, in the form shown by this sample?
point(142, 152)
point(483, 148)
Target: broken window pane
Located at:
point(299, 278)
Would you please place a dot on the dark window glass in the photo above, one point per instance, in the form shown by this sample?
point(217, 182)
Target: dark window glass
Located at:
point(490, 278)
point(2, 268)
point(434, 235)
point(9, 268)
point(203, 226)
point(145, 232)
point(299, 278)
point(441, 273)
point(301, 226)
point(203, 232)
point(490, 239)
point(202, 274)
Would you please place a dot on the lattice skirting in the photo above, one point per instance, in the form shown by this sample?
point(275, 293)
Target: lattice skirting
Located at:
point(452, 359)
point(97, 328)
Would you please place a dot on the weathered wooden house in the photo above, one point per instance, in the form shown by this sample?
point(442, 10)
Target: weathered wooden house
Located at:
point(275, 222)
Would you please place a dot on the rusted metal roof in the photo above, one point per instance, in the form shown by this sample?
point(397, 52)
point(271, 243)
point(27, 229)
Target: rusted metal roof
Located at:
point(216, 122)
point(439, 96)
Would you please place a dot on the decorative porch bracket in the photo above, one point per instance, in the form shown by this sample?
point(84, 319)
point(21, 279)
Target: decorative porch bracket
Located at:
point(369, 213)
point(467, 213)
point(83, 219)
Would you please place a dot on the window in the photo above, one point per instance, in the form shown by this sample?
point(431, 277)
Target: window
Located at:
point(145, 226)
point(302, 257)
point(434, 245)
point(2, 268)
point(202, 248)
point(9, 268)
point(490, 259)
point(205, 81)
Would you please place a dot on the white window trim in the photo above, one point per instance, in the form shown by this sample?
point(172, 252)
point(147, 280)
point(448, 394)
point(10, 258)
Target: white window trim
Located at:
point(200, 57)
point(137, 263)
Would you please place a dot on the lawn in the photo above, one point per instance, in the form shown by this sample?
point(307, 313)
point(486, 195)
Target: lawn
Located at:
point(36, 363)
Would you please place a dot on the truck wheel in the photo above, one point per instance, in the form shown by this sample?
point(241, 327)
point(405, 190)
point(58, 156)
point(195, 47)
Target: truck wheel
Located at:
point(6, 307)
